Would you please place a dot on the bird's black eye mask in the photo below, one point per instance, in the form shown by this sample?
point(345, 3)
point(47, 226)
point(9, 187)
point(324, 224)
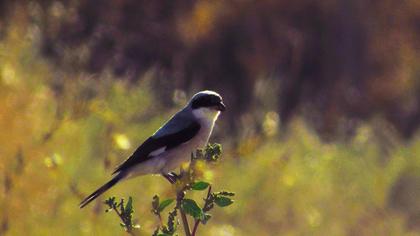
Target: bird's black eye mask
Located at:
point(206, 101)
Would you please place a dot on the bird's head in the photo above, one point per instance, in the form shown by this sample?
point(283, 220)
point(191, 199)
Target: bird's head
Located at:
point(207, 104)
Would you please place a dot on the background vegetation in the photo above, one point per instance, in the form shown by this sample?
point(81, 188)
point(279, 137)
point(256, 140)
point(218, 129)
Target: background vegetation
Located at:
point(321, 136)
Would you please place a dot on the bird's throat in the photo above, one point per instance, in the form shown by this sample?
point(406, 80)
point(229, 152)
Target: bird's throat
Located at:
point(210, 115)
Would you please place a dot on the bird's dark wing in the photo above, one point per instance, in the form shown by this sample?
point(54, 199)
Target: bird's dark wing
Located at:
point(163, 141)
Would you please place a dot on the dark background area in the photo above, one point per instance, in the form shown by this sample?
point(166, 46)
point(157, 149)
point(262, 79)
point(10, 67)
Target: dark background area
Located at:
point(335, 62)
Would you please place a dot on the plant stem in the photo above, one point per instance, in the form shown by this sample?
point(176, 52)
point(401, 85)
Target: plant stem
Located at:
point(185, 223)
point(119, 214)
point(160, 219)
point(127, 226)
point(179, 198)
point(197, 222)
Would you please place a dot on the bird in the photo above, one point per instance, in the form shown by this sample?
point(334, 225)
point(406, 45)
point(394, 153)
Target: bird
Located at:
point(171, 145)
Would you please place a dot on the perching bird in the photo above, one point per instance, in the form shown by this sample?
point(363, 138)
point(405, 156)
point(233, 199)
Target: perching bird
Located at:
point(171, 144)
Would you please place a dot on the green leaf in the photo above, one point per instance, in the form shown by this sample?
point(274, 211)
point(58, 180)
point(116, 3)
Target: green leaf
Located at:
point(164, 204)
point(206, 218)
point(191, 208)
point(225, 193)
point(223, 201)
point(201, 185)
point(213, 152)
point(129, 206)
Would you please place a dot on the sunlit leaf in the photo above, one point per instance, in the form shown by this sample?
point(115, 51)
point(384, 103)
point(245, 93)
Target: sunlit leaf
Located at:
point(206, 218)
point(191, 208)
point(129, 206)
point(164, 204)
point(223, 201)
point(225, 193)
point(201, 185)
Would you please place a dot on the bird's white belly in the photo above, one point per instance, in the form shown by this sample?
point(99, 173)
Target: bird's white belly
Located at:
point(175, 157)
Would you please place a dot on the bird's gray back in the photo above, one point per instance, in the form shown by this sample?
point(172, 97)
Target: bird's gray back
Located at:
point(176, 123)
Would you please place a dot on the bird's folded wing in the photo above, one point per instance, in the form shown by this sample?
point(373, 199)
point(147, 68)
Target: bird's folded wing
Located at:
point(159, 143)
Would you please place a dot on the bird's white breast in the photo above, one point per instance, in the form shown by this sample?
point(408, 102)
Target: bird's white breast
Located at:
point(206, 115)
point(175, 157)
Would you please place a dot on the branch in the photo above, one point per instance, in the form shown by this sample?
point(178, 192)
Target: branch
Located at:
point(185, 182)
point(180, 196)
point(197, 221)
point(129, 229)
point(125, 214)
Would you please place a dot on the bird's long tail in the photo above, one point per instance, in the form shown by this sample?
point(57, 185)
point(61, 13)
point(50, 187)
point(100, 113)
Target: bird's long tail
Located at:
point(102, 189)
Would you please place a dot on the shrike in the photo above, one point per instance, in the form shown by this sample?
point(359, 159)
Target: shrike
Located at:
point(171, 144)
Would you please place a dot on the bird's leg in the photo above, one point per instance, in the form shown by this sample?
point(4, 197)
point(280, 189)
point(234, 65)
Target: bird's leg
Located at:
point(175, 175)
point(171, 177)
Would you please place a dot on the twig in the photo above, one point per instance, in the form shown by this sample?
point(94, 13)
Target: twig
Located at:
point(129, 230)
point(179, 198)
point(197, 222)
point(160, 219)
point(185, 223)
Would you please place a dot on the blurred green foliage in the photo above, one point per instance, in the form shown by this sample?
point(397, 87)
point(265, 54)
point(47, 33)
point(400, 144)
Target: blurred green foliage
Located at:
point(62, 133)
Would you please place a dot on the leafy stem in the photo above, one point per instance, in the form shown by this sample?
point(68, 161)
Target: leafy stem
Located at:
point(184, 183)
point(124, 212)
point(205, 209)
point(179, 199)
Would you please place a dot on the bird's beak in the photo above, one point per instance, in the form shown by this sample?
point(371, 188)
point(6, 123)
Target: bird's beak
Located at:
point(221, 106)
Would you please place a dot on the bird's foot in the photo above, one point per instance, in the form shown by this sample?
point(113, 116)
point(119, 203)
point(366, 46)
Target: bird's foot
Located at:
point(171, 177)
